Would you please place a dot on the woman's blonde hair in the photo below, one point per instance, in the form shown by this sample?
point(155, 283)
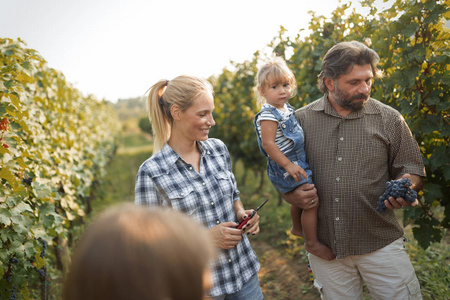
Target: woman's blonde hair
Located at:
point(277, 71)
point(133, 252)
point(182, 91)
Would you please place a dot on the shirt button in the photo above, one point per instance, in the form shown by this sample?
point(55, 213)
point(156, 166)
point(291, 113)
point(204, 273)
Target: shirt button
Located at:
point(337, 179)
point(218, 222)
point(336, 199)
point(229, 260)
point(190, 168)
point(182, 194)
point(341, 138)
point(212, 203)
point(283, 125)
point(339, 158)
point(204, 183)
point(337, 218)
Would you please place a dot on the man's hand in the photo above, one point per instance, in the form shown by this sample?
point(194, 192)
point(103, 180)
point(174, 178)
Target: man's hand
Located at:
point(225, 235)
point(304, 197)
point(400, 202)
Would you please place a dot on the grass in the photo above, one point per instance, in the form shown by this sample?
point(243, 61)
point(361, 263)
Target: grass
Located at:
point(118, 184)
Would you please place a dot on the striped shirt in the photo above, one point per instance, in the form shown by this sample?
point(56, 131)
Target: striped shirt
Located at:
point(166, 180)
point(351, 159)
point(281, 141)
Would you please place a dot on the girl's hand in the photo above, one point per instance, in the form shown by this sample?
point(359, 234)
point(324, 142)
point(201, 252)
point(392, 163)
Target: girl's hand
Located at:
point(295, 171)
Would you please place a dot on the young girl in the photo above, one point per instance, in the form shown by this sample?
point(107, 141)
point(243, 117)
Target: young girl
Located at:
point(281, 140)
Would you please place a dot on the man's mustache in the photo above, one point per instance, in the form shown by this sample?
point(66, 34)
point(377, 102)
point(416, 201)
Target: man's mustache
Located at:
point(360, 96)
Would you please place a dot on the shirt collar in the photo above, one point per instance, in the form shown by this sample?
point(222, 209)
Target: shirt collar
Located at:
point(171, 157)
point(324, 105)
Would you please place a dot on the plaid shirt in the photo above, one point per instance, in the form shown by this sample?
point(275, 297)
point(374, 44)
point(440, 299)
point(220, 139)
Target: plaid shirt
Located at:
point(351, 159)
point(166, 180)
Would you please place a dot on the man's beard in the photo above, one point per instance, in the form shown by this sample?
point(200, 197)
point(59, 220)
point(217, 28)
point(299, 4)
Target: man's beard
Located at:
point(347, 102)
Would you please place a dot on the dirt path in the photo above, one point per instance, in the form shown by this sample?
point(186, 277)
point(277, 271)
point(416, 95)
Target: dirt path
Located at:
point(281, 277)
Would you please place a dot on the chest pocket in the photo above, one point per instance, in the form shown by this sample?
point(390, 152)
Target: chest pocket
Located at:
point(225, 182)
point(371, 159)
point(184, 200)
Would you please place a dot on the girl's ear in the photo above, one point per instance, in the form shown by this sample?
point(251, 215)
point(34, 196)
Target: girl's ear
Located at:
point(260, 90)
point(175, 111)
point(329, 83)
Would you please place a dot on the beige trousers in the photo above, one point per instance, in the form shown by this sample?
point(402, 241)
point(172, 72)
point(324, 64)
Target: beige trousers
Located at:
point(387, 273)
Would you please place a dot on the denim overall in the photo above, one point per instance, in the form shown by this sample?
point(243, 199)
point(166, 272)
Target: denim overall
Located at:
point(291, 129)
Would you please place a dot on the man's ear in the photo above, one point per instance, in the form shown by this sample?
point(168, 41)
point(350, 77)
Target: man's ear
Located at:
point(175, 111)
point(329, 83)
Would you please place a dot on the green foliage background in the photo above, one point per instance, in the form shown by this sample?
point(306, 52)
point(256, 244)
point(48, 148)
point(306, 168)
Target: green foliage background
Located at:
point(55, 143)
point(54, 146)
point(413, 44)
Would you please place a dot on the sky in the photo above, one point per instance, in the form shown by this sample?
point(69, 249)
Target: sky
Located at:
point(117, 49)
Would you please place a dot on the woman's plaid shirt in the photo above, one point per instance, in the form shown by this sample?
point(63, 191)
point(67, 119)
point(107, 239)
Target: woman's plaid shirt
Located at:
point(166, 180)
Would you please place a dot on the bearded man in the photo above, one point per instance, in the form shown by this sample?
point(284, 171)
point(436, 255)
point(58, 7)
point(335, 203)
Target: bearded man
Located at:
point(354, 144)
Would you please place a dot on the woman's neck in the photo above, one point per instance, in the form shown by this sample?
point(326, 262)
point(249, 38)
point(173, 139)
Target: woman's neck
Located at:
point(188, 150)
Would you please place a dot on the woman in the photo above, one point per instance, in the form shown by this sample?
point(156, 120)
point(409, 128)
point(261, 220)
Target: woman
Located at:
point(192, 174)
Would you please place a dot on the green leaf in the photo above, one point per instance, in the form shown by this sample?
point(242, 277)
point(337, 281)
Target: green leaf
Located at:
point(446, 171)
point(427, 233)
point(25, 292)
point(410, 30)
point(41, 191)
point(5, 216)
point(8, 52)
point(40, 262)
point(29, 248)
point(8, 83)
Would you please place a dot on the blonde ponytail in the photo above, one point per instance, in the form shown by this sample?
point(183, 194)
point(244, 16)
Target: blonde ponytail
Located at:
point(181, 91)
point(158, 116)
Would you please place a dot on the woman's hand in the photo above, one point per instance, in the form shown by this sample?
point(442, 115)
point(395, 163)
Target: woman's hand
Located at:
point(252, 226)
point(226, 235)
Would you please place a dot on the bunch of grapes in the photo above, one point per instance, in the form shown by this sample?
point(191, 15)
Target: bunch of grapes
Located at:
point(13, 294)
point(44, 248)
point(397, 189)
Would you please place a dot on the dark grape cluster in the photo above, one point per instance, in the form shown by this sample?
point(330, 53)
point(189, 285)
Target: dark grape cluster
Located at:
point(41, 272)
point(27, 180)
point(397, 189)
point(44, 248)
point(13, 294)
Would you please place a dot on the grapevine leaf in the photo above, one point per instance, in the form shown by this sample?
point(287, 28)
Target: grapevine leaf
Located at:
point(5, 173)
point(427, 232)
point(40, 262)
point(5, 216)
point(446, 171)
point(25, 292)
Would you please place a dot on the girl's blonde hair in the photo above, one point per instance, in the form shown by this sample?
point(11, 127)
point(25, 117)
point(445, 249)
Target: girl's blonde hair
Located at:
point(182, 91)
point(135, 252)
point(277, 71)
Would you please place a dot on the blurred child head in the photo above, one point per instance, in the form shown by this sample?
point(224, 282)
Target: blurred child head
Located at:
point(132, 252)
